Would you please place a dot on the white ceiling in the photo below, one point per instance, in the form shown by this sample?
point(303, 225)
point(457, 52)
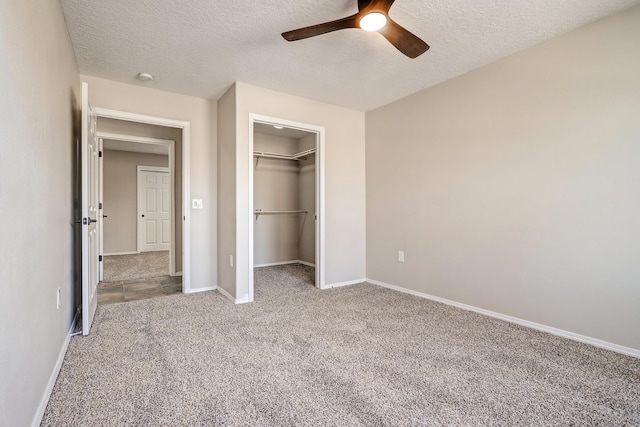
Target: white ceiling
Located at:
point(200, 47)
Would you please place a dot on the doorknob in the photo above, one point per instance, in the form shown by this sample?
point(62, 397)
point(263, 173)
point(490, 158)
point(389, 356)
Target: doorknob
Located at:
point(142, 215)
point(84, 221)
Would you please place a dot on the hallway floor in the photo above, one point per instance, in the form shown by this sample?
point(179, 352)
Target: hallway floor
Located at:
point(135, 266)
point(131, 290)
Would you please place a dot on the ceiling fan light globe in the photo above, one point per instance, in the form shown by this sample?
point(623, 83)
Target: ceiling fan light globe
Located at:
point(373, 21)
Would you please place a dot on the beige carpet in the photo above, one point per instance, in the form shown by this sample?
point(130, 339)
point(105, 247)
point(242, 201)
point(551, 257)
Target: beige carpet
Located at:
point(136, 266)
point(354, 356)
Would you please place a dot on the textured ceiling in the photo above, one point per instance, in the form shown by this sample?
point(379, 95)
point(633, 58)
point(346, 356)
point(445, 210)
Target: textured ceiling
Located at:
point(200, 47)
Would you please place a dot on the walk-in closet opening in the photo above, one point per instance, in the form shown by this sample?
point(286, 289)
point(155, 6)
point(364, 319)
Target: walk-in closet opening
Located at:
point(285, 207)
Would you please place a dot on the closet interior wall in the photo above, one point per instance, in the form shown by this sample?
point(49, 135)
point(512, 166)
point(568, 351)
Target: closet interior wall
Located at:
point(284, 185)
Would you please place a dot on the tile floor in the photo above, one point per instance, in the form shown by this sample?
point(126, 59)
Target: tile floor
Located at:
point(130, 290)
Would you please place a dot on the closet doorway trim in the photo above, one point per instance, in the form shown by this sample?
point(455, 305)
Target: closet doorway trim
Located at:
point(320, 224)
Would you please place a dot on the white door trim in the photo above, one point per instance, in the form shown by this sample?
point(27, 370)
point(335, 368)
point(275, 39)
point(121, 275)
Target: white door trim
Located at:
point(131, 138)
point(171, 148)
point(100, 208)
point(320, 224)
point(142, 168)
point(89, 205)
point(185, 126)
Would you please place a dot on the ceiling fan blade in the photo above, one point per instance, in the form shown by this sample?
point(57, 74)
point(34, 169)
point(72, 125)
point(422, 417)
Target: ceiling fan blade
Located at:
point(405, 41)
point(316, 30)
point(363, 3)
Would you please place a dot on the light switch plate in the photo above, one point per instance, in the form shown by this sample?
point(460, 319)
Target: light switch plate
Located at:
point(196, 203)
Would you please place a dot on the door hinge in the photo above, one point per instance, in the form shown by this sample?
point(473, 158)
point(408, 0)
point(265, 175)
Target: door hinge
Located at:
point(100, 258)
point(99, 153)
point(100, 205)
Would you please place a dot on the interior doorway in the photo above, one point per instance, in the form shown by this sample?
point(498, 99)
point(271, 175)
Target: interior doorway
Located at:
point(139, 133)
point(286, 200)
point(120, 225)
point(140, 198)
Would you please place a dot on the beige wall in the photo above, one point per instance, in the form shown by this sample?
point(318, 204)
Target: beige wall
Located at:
point(40, 88)
point(201, 113)
point(514, 188)
point(120, 202)
point(227, 191)
point(344, 180)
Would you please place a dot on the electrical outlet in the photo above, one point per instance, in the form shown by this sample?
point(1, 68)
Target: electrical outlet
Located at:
point(230, 260)
point(58, 299)
point(196, 204)
point(401, 256)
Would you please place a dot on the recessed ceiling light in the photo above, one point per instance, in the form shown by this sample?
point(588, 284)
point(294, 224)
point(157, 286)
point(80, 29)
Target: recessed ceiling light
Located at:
point(145, 77)
point(277, 126)
point(373, 21)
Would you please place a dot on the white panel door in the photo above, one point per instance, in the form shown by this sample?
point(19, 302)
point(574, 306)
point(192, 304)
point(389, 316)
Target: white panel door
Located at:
point(90, 243)
point(154, 210)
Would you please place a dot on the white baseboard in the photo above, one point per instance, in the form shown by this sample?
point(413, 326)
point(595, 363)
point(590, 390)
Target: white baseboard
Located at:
point(197, 290)
point(37, 419)
point(271, 264)
point(244, 300)
point(295, 261)
point(309, 264)
point(340, 284)
point(121, 253)
point(227, 295)
point(533, 325)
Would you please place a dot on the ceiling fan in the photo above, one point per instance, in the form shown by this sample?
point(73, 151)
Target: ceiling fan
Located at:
point(373, 15)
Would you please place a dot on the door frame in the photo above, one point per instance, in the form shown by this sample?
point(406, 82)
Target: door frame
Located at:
point(162, 169)
point(319, 221)
point(185, 127)
point(170, 144)
point(89, 204)
point(100, 206)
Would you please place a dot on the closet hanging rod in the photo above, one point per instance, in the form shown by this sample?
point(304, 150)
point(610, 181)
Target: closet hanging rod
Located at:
point(296, 156)
point(258, 212)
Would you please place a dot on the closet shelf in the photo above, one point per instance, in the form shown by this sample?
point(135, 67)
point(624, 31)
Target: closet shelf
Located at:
point(299, 156)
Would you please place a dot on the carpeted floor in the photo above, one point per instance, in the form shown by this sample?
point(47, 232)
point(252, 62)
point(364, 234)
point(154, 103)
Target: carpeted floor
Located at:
point(135, 266)
point(359, 355)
